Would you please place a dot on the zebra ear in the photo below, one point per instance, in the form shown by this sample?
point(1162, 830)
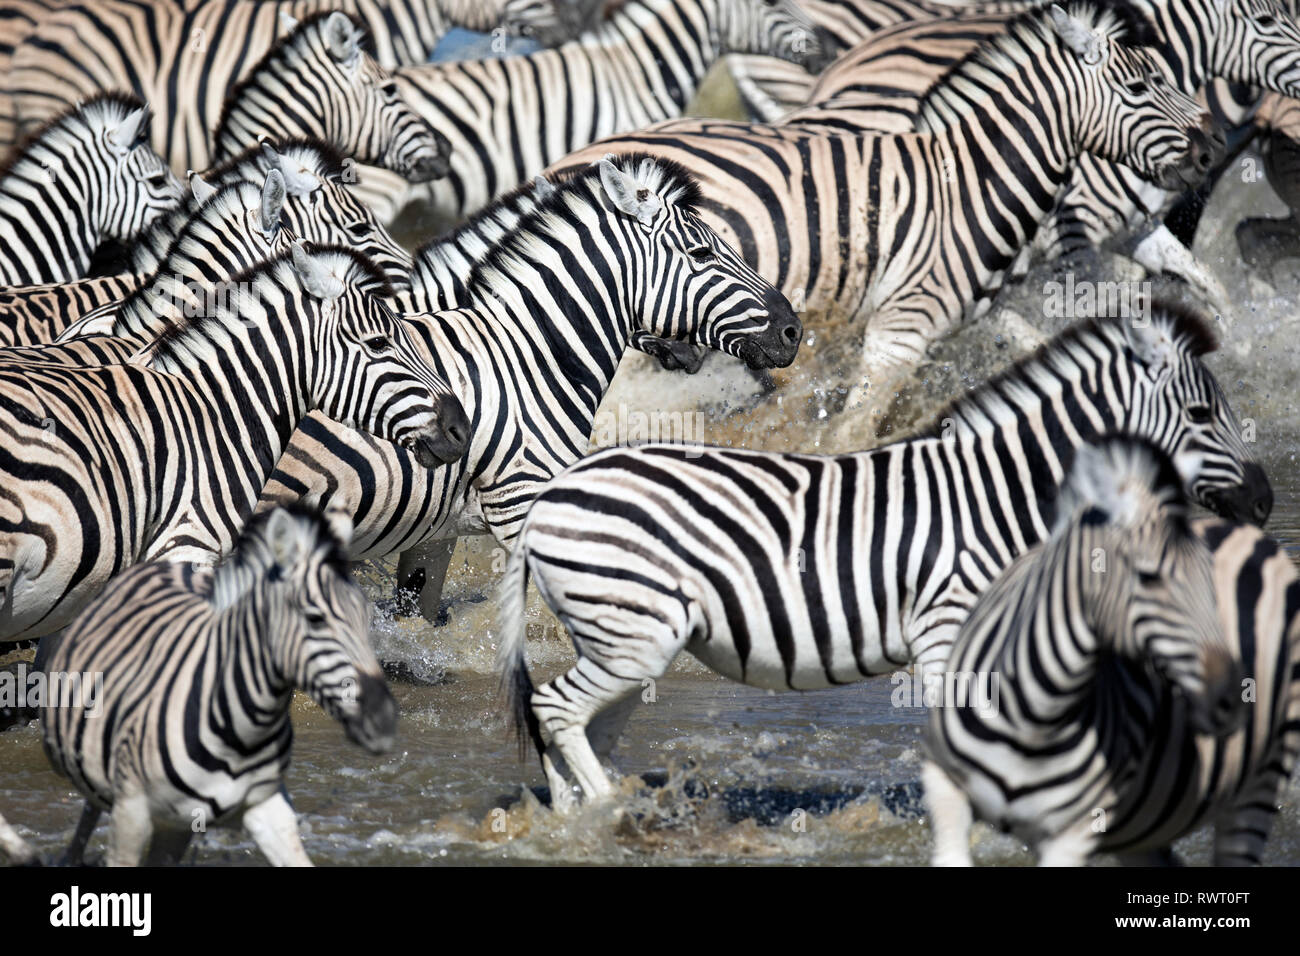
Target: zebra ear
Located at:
point(272, 200)
point(629, 196)
point(288, 23)
point(341, 38)
point(124, 136)
point(200, 189)
point(282, 538)
point(544, 188)
point(316, 279)
point(339, 521)
point(1154, 347)
point(1077, 37)
point(1097, 484)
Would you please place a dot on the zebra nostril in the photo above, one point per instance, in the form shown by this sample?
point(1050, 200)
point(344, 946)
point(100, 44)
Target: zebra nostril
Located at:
point(455, 434)
point(791, 334)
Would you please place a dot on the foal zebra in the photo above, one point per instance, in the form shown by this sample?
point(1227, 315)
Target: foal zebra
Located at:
point(88, 176)
point(799, 572)
point(315, 207)
point(163, 456)
point(615, 250)
point(199, 667)
point(907, 235)
point(508, 118)
point(1122, 693)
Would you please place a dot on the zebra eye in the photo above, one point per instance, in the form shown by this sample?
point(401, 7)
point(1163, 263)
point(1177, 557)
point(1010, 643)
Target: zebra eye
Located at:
point(1148, 579)
point(376, 343)
point(703, 254)
point(1199, 414)
point(359, 230)
point(315, 618)
point(1137, 87)
point(1156, 79)
point(158, 179)
point(1267, 20)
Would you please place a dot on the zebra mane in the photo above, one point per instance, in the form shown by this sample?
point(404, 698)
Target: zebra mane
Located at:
point(178, 340)
point(322, 158)
point(1026, 36)
point(670, 180)
point(115, 105)
point(290, 41)
point(1187, 328)
point(506, 212)
point(1108, 478)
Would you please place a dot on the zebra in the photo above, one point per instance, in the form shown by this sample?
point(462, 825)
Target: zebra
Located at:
point(163, 746)
point(508, 118)
point(1121, 722)
point(86, 177)
point(797, 572)
point(315, 206)
point(163, 456)
point(1255, 42)
point(612, 250)
point(907, 235)
point(184, 57)
point(14, 848)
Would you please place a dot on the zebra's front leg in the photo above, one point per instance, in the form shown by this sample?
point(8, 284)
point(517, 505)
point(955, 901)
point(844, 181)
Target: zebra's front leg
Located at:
point(1241, 832)
point(168, 846)
point(950, 817)
point(130, 827)
point(1071, 847)
point(274, 828)
point(432, 558)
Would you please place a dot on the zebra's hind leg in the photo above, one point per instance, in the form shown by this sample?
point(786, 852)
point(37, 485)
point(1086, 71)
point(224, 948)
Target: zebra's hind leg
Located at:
point(432, 558)
point(75, 854)
point(950, 817)
point(18, 850)
point(274, 828)
point(1241, 831)
point(130, 827)
point(1071, 847)
point(564, 708)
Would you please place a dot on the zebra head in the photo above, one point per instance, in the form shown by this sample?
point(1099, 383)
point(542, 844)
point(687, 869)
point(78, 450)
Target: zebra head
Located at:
point(1147, 581)
point(704, 291)
point(1125, 105)
point(136, 186)
point(322, 210)
point(1253, 41)
point(1178, 405)
point(319, 620)
point(367, 373)
point(779, 28)
point(319, 82)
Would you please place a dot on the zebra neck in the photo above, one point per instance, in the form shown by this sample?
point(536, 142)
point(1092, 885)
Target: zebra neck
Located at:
point(1184, 27)
point(250, 694)
point(692, 42)
point(32, 199)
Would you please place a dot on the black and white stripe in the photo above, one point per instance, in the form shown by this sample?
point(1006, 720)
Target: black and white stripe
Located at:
point(164, 455)
point(87, 177)
point(199, 667)
point(904, 236)
point(615, 251)
point(1131, 709)
point(792, 571)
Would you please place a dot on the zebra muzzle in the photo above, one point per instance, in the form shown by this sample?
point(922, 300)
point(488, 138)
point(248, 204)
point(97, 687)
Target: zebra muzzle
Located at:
point(375, 726)
point(445, 441)
point(1222, 710)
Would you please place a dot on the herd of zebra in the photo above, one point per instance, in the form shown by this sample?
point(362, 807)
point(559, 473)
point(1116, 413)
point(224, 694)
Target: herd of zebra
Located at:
point(222, 382)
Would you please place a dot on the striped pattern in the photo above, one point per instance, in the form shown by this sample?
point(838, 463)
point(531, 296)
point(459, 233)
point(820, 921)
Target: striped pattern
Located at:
point(799, 572)
point(199, 668)
point(509, 118)
point(184, 58)
point(1125, 719)
point(907, 235)
point(85, 178)
point(538, 334)
point(317, 207)
point(164, 456)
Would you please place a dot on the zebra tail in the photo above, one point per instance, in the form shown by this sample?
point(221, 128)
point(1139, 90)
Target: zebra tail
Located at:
point(516, 684)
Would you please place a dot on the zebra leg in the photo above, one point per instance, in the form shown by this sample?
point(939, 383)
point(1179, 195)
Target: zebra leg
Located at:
point(1240, 831)
point(1071, 847)
point(433, 558)
point(274, 828)
point(950, 817)
point(129, 828)
point(602, 734)
point(168, 846)
point(18, 850)
point(566, 705)
point(75, 854)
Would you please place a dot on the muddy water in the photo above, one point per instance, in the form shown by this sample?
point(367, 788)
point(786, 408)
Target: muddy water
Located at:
point(712, 772)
